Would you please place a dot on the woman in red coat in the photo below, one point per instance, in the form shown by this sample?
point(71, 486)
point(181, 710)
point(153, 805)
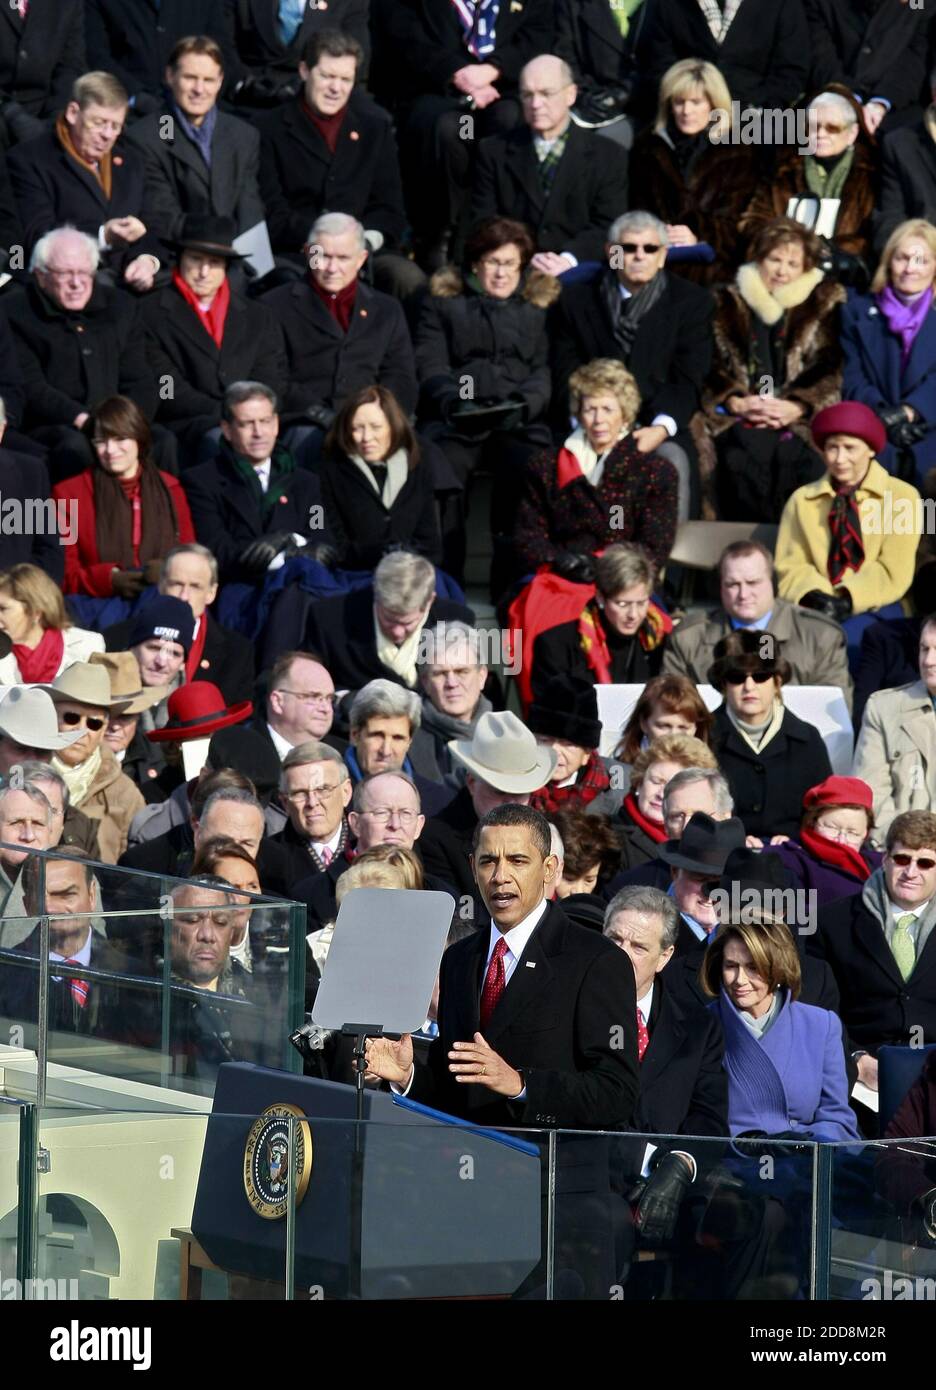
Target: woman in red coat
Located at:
point(129, 514)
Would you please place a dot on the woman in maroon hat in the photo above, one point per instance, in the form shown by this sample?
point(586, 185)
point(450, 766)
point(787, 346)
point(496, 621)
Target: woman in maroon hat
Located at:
point(847, 543)
point(832, 854)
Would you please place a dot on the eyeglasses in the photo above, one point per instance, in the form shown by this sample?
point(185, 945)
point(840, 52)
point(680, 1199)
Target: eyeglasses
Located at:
point(647, 247)
point(92, 721)
point(835, 832)
point(302, 798)
point(311, 697)
point(494, 264)
point(739, 677)
point(383, 813)
point(81, 277)
point(904, 860)
point(102, 123)
point(830, 127)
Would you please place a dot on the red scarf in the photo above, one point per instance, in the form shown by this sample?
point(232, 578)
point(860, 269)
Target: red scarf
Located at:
point(40, 664)
point(592, 780)
point(329, 127)
point(340, 305)
point(213, 319)
point(594, 640)
point(653, 828)
point(198, 646)
point(837, 856)
point(131, 489)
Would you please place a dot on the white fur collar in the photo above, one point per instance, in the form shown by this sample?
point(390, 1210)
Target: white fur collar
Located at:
point(768, 305)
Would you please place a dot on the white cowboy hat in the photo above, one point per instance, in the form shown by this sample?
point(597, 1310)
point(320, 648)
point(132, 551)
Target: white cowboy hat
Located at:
point(505, 754)
point(27, 716)
point(85, 684)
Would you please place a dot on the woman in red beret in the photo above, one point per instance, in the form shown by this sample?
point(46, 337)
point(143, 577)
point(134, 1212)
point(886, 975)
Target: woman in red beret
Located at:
point(832, 854)
point(847, 543)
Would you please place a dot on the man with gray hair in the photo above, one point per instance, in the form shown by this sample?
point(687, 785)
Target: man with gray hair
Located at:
point(367, 633)
point(340, 335)
point(689, 790)
point(683, 1086)
point(452, 674)
point(315, 789)
point(251, 506)
point(563, 181)
point(78, 342)
point(384, 723)
point(659, 325)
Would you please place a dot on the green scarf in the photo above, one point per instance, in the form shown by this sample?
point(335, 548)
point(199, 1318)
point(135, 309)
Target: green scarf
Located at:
point(828, 183)
point(622, 11)
point(282, 464)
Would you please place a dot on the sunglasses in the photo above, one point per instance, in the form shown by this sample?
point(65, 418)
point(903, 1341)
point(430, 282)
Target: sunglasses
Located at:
point(92, 721)
point(739, 677)
point(904, 860)
point(647, 247)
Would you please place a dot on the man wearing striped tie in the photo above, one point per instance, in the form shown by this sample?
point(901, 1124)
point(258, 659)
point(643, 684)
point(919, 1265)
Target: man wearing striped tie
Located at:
point(76, 1004)
point(881, 946)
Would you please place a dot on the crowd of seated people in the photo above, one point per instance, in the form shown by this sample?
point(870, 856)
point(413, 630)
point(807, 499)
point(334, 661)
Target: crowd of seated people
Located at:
point(282, 287)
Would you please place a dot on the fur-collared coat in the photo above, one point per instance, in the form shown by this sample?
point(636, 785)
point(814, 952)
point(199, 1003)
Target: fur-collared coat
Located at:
point(500, 344)
point(859, 198)
point(812, 349)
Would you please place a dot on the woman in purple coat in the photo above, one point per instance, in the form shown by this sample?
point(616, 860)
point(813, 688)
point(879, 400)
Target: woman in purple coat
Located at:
point(832, 855)
point(785, 1060)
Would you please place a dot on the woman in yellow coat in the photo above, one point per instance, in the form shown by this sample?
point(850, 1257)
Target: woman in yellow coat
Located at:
point(847, 543)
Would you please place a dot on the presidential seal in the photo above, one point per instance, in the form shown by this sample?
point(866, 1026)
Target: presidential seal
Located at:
point(266, 1160)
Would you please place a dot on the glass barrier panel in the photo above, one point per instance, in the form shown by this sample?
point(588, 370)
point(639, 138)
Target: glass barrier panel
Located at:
point(150, 978)
point(18, 1162)
point(881, 1217)
point(641, 1217)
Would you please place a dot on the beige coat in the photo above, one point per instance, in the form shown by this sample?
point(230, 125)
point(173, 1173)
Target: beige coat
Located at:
point(804, 538)
point(813, 645)
point(111, 803)
point(896, 754)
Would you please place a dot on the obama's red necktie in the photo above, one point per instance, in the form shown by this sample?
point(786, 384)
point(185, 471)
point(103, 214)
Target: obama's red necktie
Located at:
point(494, 982)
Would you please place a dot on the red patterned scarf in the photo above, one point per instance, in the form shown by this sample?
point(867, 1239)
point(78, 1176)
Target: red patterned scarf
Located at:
point(846, 549)
point(837, 856)
point(592, 780)
point(594, 640)
point(652, 828)
point(40, 664)
point(212, 319)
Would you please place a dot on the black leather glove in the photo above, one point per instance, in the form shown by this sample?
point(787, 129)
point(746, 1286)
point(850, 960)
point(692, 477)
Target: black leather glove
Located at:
point(320, 415)
point(902, 432)
point(259, 553)
point(659, 1203)
point(838, 607)
point(572, 565)
point(261, 91)
point(128, 584)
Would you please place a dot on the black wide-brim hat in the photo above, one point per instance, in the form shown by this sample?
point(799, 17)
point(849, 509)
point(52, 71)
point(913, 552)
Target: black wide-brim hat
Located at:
point(203, 232)
point(705, 845)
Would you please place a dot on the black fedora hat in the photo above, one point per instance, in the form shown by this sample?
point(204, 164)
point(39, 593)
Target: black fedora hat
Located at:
point(748, 877)
point(705, 845)
point(203, 231)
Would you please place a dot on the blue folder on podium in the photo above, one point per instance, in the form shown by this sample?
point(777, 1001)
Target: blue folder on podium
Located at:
point(447, 1209)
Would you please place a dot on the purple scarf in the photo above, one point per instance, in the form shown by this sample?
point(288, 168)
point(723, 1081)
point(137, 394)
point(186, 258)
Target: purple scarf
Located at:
point(904, 320)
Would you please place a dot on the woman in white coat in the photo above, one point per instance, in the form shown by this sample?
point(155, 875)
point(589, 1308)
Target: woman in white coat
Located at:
point(45, 641)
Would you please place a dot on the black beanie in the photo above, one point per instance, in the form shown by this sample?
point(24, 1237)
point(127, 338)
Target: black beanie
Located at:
point(567, 708)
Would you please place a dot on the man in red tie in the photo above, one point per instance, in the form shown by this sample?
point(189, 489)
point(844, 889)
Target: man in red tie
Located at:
point(537, 1016)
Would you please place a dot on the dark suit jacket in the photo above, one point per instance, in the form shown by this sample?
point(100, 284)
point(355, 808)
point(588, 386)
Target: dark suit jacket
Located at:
point(768, 786)
point(889, 656)
point(672, 351)
point(879, 55)
point(908, 180)
point(589, 38)
point(422, 44)
point(589, 189)
point(227, 658)
point(877, 1004)
point(179, 348)
point(326, 365)
point(262, 53)
point(764, 57)
point(300, 178)
point(341, 631)
point(364, 529)
point(133, 38)
point(24, 477)
point(41, 55)
point(227, 514)
point(106, 1002)
point(683, 1087)
point(567, 1019)
point(177, 181)
point(72, 360)
point(52, 189)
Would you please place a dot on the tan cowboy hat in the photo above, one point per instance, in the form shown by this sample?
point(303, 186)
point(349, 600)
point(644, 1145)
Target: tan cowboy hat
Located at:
point(125, 682)
point(86, 685)
point(27, 716)
point(505, 754)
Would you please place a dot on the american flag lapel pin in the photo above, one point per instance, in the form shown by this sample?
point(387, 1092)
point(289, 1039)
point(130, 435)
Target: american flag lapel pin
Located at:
point(531, 965)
